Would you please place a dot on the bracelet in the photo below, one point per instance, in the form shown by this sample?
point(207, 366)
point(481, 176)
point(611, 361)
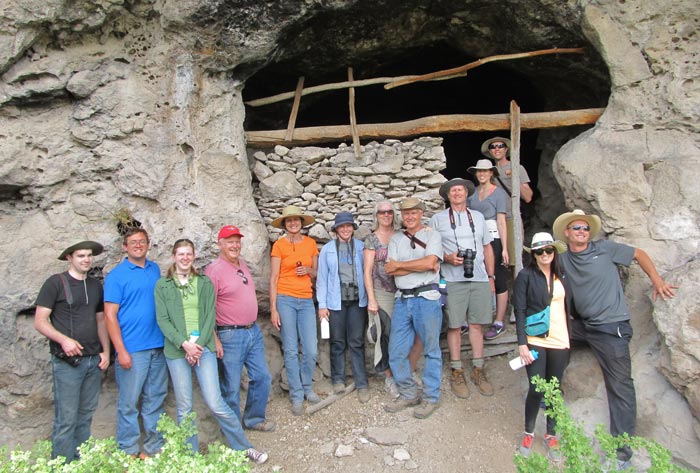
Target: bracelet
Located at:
point(492, 276)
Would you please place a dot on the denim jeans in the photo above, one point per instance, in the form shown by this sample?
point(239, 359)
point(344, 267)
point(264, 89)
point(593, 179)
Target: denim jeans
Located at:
point(298, 318)
point(208, 377)
point(76, 393)
point(348, 331)
point(146, 379)
point(416, 316)
point(245, 348)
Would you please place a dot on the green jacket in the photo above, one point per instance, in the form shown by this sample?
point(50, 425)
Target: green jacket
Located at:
point(171, 316)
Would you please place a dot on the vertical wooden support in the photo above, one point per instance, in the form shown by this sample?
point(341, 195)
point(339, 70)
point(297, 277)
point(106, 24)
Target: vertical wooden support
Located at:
point(353, 119)
point(515, 169)
point(295, 109)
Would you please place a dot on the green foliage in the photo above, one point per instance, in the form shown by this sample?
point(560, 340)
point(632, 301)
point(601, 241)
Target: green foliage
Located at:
point(579, 451)
point(103, 456)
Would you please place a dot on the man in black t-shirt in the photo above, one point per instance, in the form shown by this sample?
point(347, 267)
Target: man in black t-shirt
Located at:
point(70, 313)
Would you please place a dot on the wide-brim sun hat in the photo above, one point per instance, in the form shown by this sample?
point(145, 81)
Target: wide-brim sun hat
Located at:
point(485, 145)
point(483, 165)
point(543, 240)
point(83, 245)
point(457, 181)
point(410, 203)
point(292, 211)
point(565, 219)
point(341, 218)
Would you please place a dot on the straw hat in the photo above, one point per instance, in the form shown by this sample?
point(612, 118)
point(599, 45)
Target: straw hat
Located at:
point(543, 240)
point(292, 211)
point(485, 145)
point(565, 219)
point(483, 165)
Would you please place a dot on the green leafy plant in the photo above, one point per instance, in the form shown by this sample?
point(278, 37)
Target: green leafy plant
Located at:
point(103, 456)
point(578, 449)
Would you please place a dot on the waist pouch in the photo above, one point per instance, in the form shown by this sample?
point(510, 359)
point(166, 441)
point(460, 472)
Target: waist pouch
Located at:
point(537, 325)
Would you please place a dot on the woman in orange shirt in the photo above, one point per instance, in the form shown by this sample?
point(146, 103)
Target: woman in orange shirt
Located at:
point(292, 267)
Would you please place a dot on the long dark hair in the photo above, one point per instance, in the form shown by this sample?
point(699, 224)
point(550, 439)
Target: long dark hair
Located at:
point(179, 244)
point(554, 265)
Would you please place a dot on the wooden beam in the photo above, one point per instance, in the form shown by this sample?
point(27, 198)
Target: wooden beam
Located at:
point(515, 175)
point(353, 118)
point(295, 109)
point(434, 125)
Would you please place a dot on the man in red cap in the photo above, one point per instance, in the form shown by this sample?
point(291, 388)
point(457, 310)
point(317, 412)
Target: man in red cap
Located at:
point(239, 339)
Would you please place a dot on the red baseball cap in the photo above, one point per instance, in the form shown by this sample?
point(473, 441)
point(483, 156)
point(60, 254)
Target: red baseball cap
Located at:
point(229, 231)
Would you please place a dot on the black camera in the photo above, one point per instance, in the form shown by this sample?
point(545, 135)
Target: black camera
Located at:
point(349, 292)
point(71, 360)
point(468, 256)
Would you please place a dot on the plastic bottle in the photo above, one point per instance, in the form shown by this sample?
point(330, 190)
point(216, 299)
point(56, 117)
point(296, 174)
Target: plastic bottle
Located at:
point(325, 329)
point(517, 363)
point(194, 335)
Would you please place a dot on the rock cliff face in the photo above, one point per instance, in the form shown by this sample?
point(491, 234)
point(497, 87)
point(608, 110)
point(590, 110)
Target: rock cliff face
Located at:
point(111, 104)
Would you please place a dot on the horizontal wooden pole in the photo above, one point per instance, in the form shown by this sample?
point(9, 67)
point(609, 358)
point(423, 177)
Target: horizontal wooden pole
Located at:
point(434, 125)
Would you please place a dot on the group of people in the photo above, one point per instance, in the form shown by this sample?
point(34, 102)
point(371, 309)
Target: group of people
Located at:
point(399, 278)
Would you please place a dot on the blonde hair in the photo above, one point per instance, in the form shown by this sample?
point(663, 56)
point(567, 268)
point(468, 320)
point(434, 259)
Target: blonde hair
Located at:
point(179, 244)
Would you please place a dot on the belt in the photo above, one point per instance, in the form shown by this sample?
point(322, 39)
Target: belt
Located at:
point(220, 328)
point(417, 290)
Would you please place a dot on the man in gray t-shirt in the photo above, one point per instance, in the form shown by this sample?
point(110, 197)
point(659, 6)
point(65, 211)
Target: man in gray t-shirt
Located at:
point(596, 301)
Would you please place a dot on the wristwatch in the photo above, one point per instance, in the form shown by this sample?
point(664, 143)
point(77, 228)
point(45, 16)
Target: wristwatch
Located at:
point(492, 276)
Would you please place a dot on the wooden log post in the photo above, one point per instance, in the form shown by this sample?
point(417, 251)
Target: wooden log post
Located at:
point(353, 118)
point(515, 174)
point(289, 134)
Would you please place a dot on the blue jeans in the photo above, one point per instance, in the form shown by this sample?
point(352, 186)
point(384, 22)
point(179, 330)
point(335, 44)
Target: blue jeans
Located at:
point(245, 348)
point(76, 393)
point(208, 377)
point(416, 316)
point(348, 330)
point(146, 379)
point(298, 318)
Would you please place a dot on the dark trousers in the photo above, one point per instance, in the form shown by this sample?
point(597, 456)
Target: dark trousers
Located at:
point(610, 345)
point(348, 332)
point(550, 364)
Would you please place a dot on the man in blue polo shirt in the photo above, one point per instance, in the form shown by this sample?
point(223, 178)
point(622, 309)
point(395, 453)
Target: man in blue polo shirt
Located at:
point(141, 371)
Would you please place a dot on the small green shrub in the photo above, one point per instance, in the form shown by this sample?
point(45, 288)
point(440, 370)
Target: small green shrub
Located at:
point(578, 450)
point(103, 456)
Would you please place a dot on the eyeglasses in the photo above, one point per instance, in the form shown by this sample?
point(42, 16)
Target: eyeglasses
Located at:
point(541, 251)
point(585, 228)
point(497, 146)
point(245, 279)
point(385, 212)
point(137, 242)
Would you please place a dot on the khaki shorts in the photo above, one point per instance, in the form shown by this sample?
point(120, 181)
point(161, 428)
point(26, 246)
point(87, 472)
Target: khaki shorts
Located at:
point(470, 300)
point(385, 301)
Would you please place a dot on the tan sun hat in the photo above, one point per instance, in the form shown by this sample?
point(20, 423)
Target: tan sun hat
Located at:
point(292, 211)
point(565, 219)
point(483, 165)
point(543, 240)
point(485, 145)
point(410, 203)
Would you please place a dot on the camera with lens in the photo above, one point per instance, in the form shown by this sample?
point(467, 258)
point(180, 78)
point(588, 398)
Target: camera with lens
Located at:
point(468, 256)
point(349, 292)
point(71, 360)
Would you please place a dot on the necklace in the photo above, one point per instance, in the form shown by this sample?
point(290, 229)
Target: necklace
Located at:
point(186, 289)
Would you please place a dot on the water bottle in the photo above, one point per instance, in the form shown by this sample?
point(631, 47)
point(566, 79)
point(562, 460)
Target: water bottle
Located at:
point(194, 335)
point(325, 329)
point(517, 363)
point(442, 289)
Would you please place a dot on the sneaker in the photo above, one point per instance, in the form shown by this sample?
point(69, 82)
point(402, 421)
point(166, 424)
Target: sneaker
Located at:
point(495, 331)
point(479, 378)
point(458, 384)
point(264, 426)
point(526, 445)
point(464, 329)
point(297, 408)
point(551, 444)
point(424, 410)
point(313, 398)
point(338, 388)
point(391, 388)
point(256, 456)
point(363, 395)
point(401, 404)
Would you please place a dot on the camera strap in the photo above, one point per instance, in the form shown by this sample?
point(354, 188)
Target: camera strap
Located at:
point(454, 226)
point(415, 239)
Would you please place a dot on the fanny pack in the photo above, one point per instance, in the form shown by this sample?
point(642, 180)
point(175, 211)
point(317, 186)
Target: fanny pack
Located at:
point(537, 325)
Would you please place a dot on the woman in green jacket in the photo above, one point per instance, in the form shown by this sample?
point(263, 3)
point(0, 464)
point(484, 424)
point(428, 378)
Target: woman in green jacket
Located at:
point(185, 310)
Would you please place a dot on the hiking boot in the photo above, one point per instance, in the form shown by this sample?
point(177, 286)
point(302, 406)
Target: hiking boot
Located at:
point(391, 388)
point(313, 398)
point(256, 456)
point(464, 329)
point(424, 410)
point(338, 388)
point(479, 378)
point(495, 331)
point(264, 426)
point(400, 404)
point(526, 445)
point(297, 408)
point(363, 395)
point(552, 446)
point(459, 384)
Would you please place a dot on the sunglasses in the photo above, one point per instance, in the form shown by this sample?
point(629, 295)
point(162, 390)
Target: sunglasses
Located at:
point(541, 251)
point(497, 146)
point(585, 228)
point(245, 279)
point(385, 212)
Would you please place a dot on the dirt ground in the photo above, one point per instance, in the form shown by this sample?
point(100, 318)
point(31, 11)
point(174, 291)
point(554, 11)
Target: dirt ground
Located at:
point(479, 434)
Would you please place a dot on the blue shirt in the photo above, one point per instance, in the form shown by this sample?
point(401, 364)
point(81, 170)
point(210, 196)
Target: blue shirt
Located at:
point(328, 277)
point(132, 286)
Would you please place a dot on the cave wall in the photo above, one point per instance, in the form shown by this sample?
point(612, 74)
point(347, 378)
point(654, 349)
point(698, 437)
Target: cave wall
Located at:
point(109, 104)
